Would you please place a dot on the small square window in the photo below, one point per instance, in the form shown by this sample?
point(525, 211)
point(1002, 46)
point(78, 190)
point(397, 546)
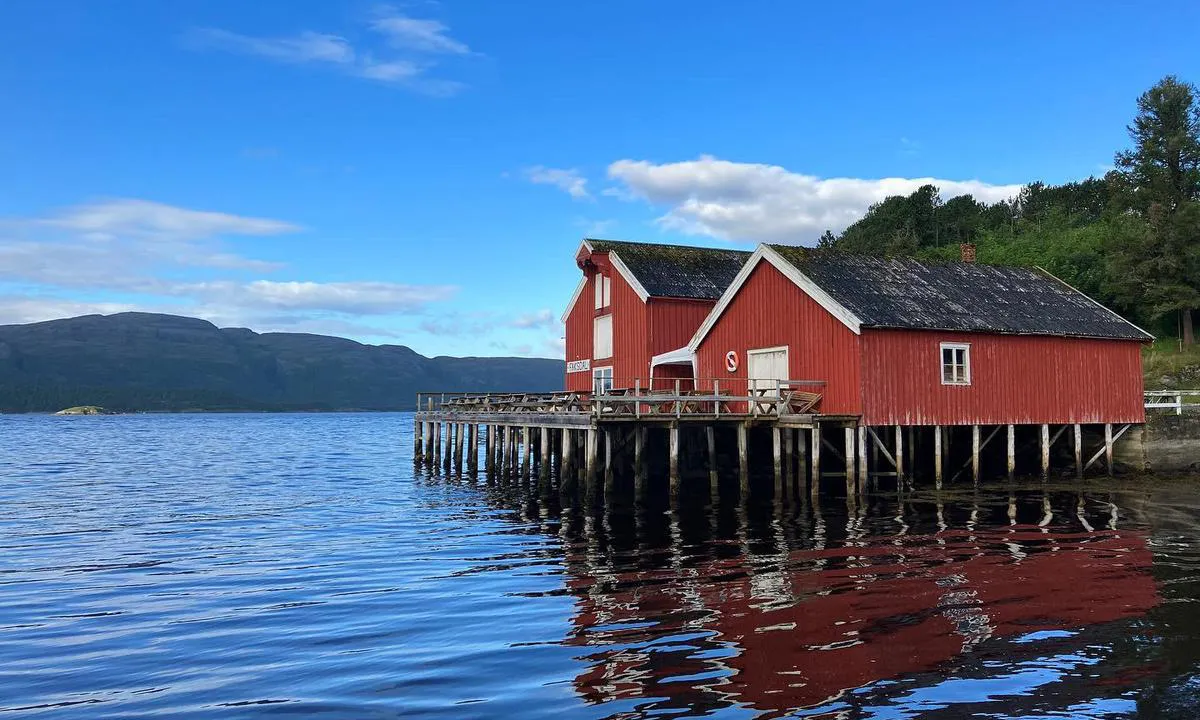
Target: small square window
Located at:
point(956, 364)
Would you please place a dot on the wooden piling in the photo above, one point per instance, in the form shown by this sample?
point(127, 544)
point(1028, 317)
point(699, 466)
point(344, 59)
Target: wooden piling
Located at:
point(802, 461)
point(527, 454)
point(862, 458)
point(1045, 451)
point(1108, 448)
point(1012, 452)
point(418, 442)
point(472, 448)
point(1078, 450)
point(609, 482)
point(814, 487)
point(899, 456)
point(639, 466)
point(567, 467)
point(449, 454)
point(743, 460)
point(436, 458)
point(673, 442)
point(937, 456)
point(710, 436)
point(975, 454)
point(789, 462)
point(589, 475)
point(777, 454)
point(459, 447)
point(544, 454)
point(851, 481)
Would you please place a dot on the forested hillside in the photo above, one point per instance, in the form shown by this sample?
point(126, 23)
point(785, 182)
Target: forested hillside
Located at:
point(140, 361)
point(1130, 239)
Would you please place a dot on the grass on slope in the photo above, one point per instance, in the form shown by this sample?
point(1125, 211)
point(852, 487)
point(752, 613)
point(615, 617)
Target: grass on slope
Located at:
point(1166, 367)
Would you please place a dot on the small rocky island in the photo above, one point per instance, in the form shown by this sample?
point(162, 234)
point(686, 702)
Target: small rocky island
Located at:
point(85, 410)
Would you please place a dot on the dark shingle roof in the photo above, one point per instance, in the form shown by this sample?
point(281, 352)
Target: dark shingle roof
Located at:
point(677, 270)
point(906, 293)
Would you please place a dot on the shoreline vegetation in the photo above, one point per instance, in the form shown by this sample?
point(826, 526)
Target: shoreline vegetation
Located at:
point(1129, 239)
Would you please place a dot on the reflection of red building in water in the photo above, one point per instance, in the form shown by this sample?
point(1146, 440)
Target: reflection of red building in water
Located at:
point(829, 621)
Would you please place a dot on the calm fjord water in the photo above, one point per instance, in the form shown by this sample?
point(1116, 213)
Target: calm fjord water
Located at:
point(295, 565)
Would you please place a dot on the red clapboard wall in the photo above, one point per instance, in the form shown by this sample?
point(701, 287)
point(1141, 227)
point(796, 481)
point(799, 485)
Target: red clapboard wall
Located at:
point(1018, 379)
point(769, 311)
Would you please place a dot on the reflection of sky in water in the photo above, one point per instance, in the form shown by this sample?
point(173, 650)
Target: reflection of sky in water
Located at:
point(1026, 679)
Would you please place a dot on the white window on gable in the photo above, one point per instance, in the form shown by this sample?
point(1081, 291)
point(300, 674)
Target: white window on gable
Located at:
point(956, 364)
point(602, 337)
point(607, 291)
point(598, 286)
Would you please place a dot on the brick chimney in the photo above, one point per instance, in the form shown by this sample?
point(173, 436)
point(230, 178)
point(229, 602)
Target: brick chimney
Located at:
point(967, 250)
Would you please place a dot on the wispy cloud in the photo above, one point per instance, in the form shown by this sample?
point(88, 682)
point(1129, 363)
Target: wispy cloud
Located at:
point(307, 47)
point(542, 319)
point(569, 180)
point(176, 259)
point(403, 52)
point(417, 34)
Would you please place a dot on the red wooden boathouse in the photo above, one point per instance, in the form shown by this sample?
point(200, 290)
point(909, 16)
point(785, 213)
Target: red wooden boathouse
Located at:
point(635, 301)
point(902, 342)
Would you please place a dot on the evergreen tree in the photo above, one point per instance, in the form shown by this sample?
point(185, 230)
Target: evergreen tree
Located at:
point(1161, 176)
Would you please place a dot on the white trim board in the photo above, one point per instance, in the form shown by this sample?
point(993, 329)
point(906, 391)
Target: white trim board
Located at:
point(621, 268)
point(632, 281)
point(802, 281)
point(574, 299)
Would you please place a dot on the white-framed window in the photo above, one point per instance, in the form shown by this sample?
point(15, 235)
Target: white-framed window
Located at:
point(603, 289)
point(956, 364)
point(602, 344)
point(602, 380)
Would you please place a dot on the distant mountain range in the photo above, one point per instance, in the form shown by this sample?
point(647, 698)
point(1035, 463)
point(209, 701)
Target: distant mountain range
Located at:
point(142, 361)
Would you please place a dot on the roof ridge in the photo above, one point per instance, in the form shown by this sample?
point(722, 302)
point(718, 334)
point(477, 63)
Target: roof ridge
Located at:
point(665, 245)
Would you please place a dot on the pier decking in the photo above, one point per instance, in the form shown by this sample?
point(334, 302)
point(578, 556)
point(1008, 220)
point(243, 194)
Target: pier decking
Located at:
point(688, 430)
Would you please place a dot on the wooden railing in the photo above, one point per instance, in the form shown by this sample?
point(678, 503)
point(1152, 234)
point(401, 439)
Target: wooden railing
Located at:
point(621, 399)
point(1177, 400)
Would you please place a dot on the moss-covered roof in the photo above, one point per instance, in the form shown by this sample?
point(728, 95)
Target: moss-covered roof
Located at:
point(677, 271)
point(971, 297)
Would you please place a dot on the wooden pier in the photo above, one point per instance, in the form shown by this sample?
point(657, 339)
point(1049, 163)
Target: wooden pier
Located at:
point(773, 440)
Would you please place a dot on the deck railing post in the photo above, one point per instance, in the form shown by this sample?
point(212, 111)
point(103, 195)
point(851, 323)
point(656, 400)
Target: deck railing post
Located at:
point(678, 400)
point(716, 397)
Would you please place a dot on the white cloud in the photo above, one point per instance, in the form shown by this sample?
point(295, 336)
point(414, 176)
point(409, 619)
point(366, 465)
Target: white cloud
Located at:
point(17, 309)
point(138, 254)
point(307, 47)
point(569, 180)
point(417, 34)
point(351, 298)
point(403, 55)
point(123, 216)
point(753, 202)
point(542, 319)
point(395, 71)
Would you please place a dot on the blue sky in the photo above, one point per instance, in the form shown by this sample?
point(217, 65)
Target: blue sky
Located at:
point(421, 173)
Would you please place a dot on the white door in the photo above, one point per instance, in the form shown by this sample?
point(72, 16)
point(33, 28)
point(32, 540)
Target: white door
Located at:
point(765, 368)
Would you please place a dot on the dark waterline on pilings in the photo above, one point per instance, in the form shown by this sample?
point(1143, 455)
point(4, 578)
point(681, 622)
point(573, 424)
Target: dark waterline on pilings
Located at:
point(249, 566)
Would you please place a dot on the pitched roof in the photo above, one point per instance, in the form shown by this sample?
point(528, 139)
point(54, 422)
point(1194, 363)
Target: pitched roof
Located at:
point(676, 271)
point(971, 297)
